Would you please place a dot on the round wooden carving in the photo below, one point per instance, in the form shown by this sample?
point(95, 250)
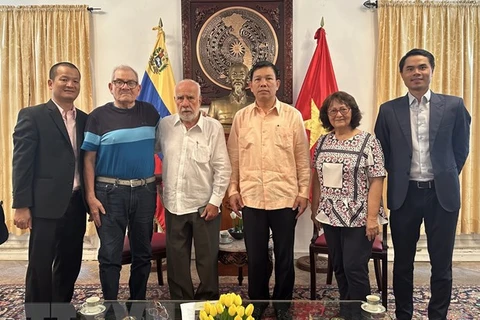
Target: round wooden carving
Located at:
point(234, 34)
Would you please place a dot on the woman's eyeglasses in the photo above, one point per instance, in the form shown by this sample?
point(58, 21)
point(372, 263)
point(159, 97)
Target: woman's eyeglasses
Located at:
point(343, 111)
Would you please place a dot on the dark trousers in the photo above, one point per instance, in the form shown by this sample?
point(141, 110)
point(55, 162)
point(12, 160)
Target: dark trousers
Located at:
point(181, 229)
point(440, 226)
point(350, 251)
point(55, 255)
point(135, 207)
point(256, 227)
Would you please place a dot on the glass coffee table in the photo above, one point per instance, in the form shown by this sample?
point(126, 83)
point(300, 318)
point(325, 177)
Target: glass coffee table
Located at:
point(298, 309)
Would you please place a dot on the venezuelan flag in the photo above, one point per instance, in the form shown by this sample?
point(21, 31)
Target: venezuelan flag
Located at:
point(158, 83)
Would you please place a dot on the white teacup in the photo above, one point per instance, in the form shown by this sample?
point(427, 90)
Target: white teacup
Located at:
point(91, 304)
point(373, 302)
point(224, 236)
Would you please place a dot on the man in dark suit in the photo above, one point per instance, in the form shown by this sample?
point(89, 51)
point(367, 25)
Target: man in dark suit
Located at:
point(47, 187)
point(425, 138)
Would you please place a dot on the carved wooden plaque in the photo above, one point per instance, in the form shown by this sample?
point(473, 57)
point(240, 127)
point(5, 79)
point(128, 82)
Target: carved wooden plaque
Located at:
point(219, 33)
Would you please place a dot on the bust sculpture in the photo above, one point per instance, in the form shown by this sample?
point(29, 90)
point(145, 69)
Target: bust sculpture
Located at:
point(224, 109)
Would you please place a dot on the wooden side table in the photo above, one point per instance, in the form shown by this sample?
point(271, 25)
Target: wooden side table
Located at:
point(234, 253)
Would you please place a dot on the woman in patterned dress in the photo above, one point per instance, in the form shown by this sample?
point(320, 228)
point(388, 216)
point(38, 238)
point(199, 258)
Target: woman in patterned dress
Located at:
point(347, 193)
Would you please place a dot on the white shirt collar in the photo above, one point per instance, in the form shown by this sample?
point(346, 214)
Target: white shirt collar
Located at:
point(426, 97)
point(200, 122)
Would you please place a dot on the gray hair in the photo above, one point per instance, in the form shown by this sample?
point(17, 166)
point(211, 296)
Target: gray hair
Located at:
point(191, 81)
point(124, 67)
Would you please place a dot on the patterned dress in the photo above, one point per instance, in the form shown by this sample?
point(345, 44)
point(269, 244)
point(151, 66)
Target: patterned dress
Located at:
point(344, 168)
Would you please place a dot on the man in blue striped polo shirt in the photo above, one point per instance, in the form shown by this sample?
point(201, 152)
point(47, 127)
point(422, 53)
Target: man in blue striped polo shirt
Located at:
point(119, 181)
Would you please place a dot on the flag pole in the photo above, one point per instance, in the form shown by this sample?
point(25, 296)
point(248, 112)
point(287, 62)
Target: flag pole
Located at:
point(159, 26)
point(158, 88)
point(319, 83)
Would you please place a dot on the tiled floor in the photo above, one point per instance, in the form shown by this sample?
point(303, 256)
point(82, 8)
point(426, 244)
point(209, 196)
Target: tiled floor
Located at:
point(464, 273)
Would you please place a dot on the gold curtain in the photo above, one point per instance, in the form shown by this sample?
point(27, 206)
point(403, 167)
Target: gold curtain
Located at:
point(33, 38)
point(451, 31)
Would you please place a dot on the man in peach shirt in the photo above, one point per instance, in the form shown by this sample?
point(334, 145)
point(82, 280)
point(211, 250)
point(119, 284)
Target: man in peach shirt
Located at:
point(269, 187)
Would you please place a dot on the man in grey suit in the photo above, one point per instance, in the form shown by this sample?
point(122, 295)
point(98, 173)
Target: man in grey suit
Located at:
point(425, 137)
point(47, 188)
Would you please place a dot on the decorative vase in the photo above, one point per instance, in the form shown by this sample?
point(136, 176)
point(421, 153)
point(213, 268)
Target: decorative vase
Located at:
point(238, 235)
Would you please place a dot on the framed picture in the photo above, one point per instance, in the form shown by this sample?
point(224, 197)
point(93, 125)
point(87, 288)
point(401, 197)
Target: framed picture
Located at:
point(218, 33)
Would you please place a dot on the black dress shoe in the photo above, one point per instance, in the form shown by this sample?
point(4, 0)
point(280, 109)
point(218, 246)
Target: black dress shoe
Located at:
point(259, 309)
point(283, 314)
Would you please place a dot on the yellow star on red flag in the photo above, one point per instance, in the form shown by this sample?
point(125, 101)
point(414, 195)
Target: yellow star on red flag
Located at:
point(318, 84)
point(313, 124)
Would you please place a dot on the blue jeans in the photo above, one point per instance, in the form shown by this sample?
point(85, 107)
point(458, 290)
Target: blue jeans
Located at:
point(135, 207)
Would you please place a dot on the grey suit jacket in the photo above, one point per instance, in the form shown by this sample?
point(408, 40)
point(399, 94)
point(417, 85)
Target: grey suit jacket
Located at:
point(44, 161)
point(449, 131)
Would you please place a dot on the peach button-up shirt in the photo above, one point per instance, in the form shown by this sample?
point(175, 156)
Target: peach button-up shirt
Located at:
point(270, 157)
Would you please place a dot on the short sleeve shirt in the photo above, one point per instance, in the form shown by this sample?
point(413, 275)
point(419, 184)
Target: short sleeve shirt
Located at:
point(124, 140)
point(344, 168)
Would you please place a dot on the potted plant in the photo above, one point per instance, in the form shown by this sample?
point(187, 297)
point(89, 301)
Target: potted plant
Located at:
point(237, 231)
point(228, 307)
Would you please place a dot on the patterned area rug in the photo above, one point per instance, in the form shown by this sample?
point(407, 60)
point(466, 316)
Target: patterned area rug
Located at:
point(465, 302)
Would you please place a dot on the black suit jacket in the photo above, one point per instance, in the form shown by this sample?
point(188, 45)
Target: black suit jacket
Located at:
point(449, 138)
point(3, 227)
point(44, 161)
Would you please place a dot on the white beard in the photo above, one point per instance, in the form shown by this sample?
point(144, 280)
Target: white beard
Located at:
point(188, 117)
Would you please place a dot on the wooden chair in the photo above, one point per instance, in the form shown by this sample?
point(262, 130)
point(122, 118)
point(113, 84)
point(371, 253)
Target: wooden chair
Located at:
point(379, 253)
point(159, 252)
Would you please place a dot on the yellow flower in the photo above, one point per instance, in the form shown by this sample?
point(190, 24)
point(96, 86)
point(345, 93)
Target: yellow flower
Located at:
point(238, 300)
point(219, 308)
point(203, 315)
point(207, 306)
point(228, 301)
point(249, 310)
point(250, 318)
point(232, 310)
point(240, 311)
point(229, 306)
point(213, 311)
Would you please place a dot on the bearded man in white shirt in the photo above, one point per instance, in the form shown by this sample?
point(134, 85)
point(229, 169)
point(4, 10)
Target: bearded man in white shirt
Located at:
point(196, 173)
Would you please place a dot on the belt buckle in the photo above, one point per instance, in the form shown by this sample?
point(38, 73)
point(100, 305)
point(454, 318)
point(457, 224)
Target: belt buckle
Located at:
point(137, 183)
point(424, 184)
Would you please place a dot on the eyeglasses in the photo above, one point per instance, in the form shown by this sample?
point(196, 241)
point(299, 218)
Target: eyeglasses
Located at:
point(130, 83)
point(343, 111)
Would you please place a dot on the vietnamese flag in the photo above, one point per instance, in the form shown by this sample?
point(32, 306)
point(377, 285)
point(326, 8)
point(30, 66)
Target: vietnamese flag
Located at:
point(319, 83)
